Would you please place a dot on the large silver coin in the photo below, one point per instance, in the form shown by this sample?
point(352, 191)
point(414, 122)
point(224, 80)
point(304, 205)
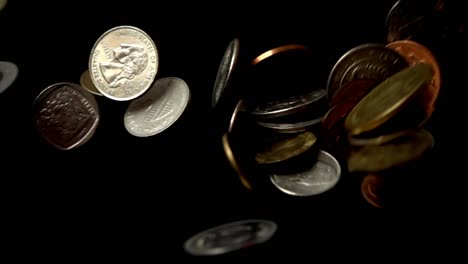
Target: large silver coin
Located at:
point(8, 74)
point(158, 109)
point(66, 115)
point(87, 83)
point(123, 63)
point(230, 237)
point(321, 177)
point(225, 70)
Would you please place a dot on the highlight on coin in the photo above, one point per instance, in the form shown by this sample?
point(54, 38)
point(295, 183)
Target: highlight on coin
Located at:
point(8, 74)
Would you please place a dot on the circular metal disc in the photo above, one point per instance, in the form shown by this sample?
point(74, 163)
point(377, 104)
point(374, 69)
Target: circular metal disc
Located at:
point(225, 70)
point(87, 83)
point(8, 74)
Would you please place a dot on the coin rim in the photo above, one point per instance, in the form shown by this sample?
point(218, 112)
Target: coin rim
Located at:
point(83, 75)
point(234, 45)
point(234, 164)
point(274, 51)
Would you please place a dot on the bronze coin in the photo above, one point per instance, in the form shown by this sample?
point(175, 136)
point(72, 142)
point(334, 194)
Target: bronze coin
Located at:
point(353, 91)
point(269, 53)
point(234, 163)
point(372, 189)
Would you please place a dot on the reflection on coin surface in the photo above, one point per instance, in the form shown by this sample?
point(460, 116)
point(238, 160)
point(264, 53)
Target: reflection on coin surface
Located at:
point(8, 74)
point(123, 63)
point(158, 109)
point(407, 148)
point(368, 61)
point(237, 109)
point(87, 83)
point(267, 54)
point(415, 53)
point(226, 67)
point(230, 237)
point(234, 164)
point(323, 176)
point(372, 189)
point(388, 98)
point(65, 115)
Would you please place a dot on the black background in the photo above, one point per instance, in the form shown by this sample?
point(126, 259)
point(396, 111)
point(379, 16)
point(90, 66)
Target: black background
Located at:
point(122, 196)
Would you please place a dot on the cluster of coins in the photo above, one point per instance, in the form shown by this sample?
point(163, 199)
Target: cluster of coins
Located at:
point(123, 66)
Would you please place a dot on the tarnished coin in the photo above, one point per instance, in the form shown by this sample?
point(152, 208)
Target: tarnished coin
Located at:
point(370, 61)
point(407, 148)
point(226, 67)
point(286, 149)
point(321, 177)
point(87, 83)
point(158, 109)
point(123, 63)
point(65, 115)
point(8, 74)
point(233, 161)
point(415, 53)
point(281, 49)
point(230, 237)
point(3, 4)
point(372, 190)
point(388, 98)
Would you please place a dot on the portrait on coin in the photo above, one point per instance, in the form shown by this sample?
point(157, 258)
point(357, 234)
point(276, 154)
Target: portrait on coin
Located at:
point(128, 61)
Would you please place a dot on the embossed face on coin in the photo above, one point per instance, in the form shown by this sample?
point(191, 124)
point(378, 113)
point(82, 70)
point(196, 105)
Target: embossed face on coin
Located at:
point(123, 63)
point(230, 237)
point(65, 115)
point(225, 70)
point(158, 109)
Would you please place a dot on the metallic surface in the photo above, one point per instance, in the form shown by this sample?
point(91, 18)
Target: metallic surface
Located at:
point(267, 54)
point(8, 74)
point(234, 164)
point(226, 67)
point(87, 83)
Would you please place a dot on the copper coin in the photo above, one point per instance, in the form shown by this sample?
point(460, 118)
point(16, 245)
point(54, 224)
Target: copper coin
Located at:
point(353, 91)
point(285, 48)
point(415, 53)
point(372, 189)
point(234, 163)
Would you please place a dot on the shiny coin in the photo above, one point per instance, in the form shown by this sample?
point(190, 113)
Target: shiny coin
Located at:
point(278, 50)
point(321, 177)
point(388, 98)
point(226, 67)
point(380, 157)
point(158, 109)
point(8, 74)
point(286, 148)
point(87, 83)
point(234, 164)
point(368, 61)
point(65, 115)
point(230, 237)
point(239, 107)
point(372, 190)
point(123, 63)
point(415, 53)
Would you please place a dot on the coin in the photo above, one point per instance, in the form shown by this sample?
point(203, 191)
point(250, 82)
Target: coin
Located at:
point(403, 23)
point(378, 140)
point(407, 148)
point(123, 63)
point(415, 53)
point(226, 67)
point(372, 189)
point(8, 74)
point(353, 91)
point(3, 4)
point(324, 175)
point(230, 237)
point(291, 127)
point(158, 109)
point(65, 115)
point(286, 148)
point(234, 164)
point(369, 61)
point(87, 83)
point(285, 48)
point(388, 98)
point(239, 107)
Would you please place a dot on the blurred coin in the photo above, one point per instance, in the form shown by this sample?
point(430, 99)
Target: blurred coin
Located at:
point(321, 177)
point(3, 4)
point(239, 107)
point(372, 189)
point(233, 161)
point(291, 127)
point(226, 67)
point(8, 74)
point(123, 63)
point(378, 140)
point(230, 237)
point(407, 148)
point(157, 109)
point(285, 48)
point(388, 98)
point(415, 53)
point(87, 83)
point(353, 91)
point(65, 115)
point(370, 61)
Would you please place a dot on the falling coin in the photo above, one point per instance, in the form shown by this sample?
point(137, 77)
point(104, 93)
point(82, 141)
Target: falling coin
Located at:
point(230, 237)
point(226, 67)
point(65, 115)
point(321, 177)
point(158, 109)
point(234, 164)
point(378, 140)
point(87, 83)
point(353, 91)
point(372, 190)
point(239, 107)
point(123, 63)
point(8, 74)
point(285, 48)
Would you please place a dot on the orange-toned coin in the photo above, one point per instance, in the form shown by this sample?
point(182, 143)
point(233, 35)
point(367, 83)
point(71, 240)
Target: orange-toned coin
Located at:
point(372, 189)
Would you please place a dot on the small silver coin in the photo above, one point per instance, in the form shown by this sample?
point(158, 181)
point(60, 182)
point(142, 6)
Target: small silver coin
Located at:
point(321, 177)
point(230, 237)
point(226, 67)
point(8, 74)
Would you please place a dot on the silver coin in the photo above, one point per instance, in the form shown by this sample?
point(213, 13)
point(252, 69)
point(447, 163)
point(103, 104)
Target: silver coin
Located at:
point(158, 109)
point(66, 115)
point(291, 127)
point(230, 237)
point(123, 63)
point(3, 4)
point(87, 83)
point(225, 70)
point(8, 74)
point(324, 175)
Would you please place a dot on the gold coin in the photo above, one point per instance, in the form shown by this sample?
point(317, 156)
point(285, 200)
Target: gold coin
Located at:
point(388, 98)
point(372, 189)
point(381, 157)
point(378, 140)
point(87, 83)
point(286, 148)
point(234, 164)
